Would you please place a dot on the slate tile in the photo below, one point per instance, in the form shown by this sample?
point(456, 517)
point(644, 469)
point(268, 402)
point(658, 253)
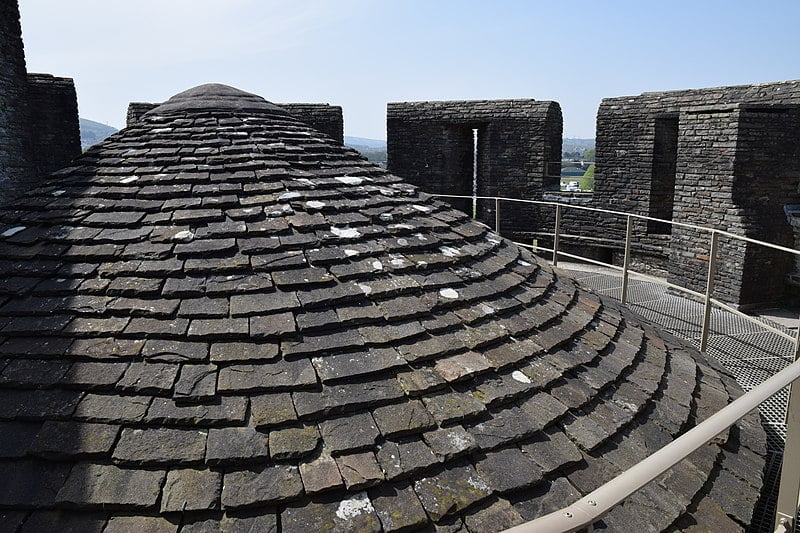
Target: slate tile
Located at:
point(275, 325)
point(359, 470)
point(321, 474)
point(110, 408)
point(196, 383)
point(187, 287)
point(315, 345)
point(359, 515)
point(508, 470)
point(268, 377)
point(271, 484)
point(268, 410)
point(170, 351)
point(157, 327)
point(160, 446)
point(30, 483)
point(337, 398)
point(552, 451)
point(584, 430)
point(203, 308)
point(191, 490)
point(364, 361)
point(205, 247)
point(111, 487)
point(451, 442)
point(430, 348)
point(461, 366)
point(16, 438)
point(224, 410)
point(543, 408)
point(420, 381)
point(218, 328)
point(64, 521)
point(402, 419)
point(93, 375)
point(33, 373)
point(148, 378)
point(349, 433)
point(222, 352)
point(141, 524)
point(512, 353)
point(405, 457)
point(257, 520)
point(302, 278)
point(293, 443)
point(391, 333)
point(73, 440)
point(106, 347)
point(244, 305)
point(497, 517)
point(398, 507)
point(236, 446)
point(451, 491)
point(153, 308)
point(448, 407)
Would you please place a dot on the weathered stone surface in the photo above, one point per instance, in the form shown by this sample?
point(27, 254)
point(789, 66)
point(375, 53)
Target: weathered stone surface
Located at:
point(66, 521)
point(93, 375)
point(140, 524)
point(293, 443)
point(174, 351)
point(508, 469)
point(451, 407)
point(350, 433)
point(403, 419)
point(195, 383)
point(450, 442)
point(268, 485)
point(224, 410)
point(398, 507)
point(359, 470)
point(353, 514)
point(256, 521)
point(16, 438)
point(275, 376)
point(332, 367)
point(236, 446)
point(160, 446)
point(242, 351)
point(552, 450)
point(148, 378)
point(508, 425)
point(107, 486)
point(101, 408)
point(28, 483)
point(461, 366)
point(191, 490)
point(73, 440)
point(451, 491)
point(320, 475)
point(271, 409)
point(497, 517)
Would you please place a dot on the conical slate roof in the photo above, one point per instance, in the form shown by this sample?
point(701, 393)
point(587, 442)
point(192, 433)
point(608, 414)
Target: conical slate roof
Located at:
point(219, 319)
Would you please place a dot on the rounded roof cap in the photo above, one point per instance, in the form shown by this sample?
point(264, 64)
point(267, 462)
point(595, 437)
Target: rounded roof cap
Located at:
point(215, 96)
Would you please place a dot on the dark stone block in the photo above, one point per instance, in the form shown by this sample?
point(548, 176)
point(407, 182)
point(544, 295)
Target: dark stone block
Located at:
point(160, 446)
point(111, 487)
point(272, 484)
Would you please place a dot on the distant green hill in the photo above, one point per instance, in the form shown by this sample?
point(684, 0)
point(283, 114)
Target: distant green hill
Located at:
point(93, 132)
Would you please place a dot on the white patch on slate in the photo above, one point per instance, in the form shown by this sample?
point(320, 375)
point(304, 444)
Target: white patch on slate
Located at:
point(274, 146)
point(386, 217)
point(345, 233)
point(10, 232)
point(377, 265)
point(288, 196)
point(350, 253)
point(451, 294)
point(183, 236)
point(366, 289)
point(420, 236)
point(129, 179)
point(519, 376)
point(449, 252)
point(58, 193)
point(398, 262)
point(315, 204)
point(351, 180)
point(305, 181)
point(523, 263)
point(401, 226)
point(358, 504)
point(422, 208)
point(402, 242)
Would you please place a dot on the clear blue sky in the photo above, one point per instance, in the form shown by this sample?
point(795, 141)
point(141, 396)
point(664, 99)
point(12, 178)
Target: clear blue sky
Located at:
point(361, 54)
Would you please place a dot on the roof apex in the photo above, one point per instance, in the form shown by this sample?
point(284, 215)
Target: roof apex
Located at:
point(215, 96)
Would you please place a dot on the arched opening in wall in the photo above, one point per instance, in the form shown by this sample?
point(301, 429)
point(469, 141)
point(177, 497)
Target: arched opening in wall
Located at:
point(662, 184)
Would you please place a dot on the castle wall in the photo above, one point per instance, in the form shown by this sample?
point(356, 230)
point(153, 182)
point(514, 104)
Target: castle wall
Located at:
point(325, 118)
point(431, 145)
point(13, 111)
point(54, 127)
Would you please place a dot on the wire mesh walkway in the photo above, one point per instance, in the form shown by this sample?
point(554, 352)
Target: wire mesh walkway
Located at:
point(750, 353)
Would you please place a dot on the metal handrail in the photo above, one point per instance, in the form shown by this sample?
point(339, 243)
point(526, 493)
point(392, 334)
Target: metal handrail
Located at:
point(589, 509)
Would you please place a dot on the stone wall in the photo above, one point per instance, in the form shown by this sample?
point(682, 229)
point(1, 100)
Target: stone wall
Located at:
point(39, 129)
point(54, 125)
point(704, 156)
point(13, 116)
point(432, 145)
point(324, 118)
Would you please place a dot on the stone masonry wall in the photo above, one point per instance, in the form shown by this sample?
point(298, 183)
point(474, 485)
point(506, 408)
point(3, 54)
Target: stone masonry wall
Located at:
point(13, 112)
point(54, 125)
point(431, 145)
point(325, 118)
point(712, 149)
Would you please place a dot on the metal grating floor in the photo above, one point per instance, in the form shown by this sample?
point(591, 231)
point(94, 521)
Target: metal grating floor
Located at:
point(749, 352)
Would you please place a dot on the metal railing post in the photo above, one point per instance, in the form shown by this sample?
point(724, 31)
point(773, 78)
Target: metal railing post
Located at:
point(626, 261)
point(497, 215)
point(556, 232)
point(789, 488)
point(712, 265)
